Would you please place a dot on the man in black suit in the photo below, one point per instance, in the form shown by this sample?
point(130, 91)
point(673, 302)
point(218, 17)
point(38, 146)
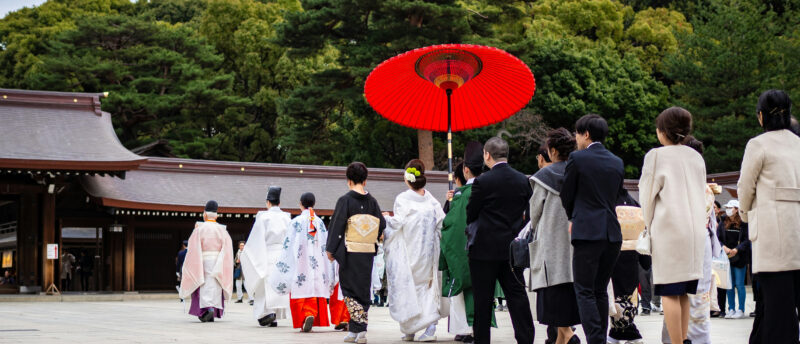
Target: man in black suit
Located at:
point(593, 182)
point(494, 217)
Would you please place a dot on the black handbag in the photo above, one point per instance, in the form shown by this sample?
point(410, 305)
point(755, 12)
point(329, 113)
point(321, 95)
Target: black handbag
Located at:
point(518, 251)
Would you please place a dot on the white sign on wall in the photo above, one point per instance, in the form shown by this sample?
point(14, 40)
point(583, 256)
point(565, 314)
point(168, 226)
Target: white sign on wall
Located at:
point(52, 251)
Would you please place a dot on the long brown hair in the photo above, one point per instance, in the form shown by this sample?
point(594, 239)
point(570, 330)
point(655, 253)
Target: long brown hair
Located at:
point(734, 221)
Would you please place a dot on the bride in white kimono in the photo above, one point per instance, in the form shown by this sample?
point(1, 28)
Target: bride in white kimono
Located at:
point(412, 257)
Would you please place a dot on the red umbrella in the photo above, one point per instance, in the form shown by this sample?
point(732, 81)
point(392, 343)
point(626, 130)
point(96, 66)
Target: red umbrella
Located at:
point(420, 88)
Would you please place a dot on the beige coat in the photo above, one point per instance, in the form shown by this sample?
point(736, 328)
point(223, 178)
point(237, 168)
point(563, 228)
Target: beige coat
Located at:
point(672, 195)
point(769, 200)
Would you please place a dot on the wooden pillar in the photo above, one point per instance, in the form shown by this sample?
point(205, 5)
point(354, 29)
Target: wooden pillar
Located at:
point(48, 216)
point(130, 255)
point(27, 240)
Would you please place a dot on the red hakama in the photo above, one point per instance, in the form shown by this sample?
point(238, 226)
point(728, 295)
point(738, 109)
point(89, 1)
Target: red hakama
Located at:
point(312, 306)
point(339, 312)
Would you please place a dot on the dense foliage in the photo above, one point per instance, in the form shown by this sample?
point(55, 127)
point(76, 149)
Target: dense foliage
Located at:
point(282, 80)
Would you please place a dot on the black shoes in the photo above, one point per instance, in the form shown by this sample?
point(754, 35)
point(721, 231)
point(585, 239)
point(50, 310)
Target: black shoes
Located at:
point(645, 312)
point(238, 301)
point(574, 340)
point(208, 316)
point(687, 341)
point(341, 327)
point(307, 324)
point(465, 338)
point(268, 320)
point(251, 302)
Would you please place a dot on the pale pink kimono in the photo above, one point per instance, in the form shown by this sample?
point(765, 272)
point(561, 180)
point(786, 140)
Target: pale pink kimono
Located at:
point(208, 268)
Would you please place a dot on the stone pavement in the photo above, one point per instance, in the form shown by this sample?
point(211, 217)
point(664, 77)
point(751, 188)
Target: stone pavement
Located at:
point(164, 321)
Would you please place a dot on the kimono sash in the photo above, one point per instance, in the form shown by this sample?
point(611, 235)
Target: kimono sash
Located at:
point(361, 234)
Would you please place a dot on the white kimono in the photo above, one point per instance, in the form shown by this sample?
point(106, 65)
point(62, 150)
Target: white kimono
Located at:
point(378, 268)
point(412, 261)
point(303, 268)
point(260, 256)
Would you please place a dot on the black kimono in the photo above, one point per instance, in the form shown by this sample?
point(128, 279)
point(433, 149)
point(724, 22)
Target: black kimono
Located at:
point(355, 269)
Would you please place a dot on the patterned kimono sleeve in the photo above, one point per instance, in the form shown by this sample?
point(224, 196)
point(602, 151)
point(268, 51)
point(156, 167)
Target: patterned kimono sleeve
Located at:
point(285, 270)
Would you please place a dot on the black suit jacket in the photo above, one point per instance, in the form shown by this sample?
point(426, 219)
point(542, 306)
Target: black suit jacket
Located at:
point(495, 212)
point(593, 182)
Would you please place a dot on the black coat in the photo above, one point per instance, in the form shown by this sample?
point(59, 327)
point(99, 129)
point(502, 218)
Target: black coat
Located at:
point(593, 183)
point(495, 212)
point(738, 238)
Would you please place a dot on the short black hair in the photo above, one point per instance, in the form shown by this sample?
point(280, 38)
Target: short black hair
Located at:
point(458, 172)
point(543, 152)
point(596, 126)
point(776, 110)
point(308, 200)
point(476, 171)
point(357, 172)
point(497, 148)
point(717, 204)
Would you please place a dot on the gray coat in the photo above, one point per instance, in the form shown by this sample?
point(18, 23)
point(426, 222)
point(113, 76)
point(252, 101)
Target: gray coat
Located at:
point(551, 250)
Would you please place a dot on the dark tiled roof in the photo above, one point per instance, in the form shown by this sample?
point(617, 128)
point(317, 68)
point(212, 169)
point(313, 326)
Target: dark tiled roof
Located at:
point(184, 185)
point(59, 131)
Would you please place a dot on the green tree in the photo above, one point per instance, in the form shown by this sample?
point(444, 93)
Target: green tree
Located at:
point(327, 118)
point(164, 82)
point(243, 31)
point(573, 81)
point(719, 71)
point(25, 33)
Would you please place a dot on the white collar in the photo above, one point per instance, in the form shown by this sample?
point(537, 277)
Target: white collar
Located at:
point(592, 144)
point(471, 180)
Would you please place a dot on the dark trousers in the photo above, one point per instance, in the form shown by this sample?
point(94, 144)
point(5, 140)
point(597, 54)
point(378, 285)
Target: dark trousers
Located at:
point(646, 281)
point(755, 333)
point(721, 297)
point(85, 280)
point(484, 275)
point(65, 284)
point(781, 298)
point(592, 265)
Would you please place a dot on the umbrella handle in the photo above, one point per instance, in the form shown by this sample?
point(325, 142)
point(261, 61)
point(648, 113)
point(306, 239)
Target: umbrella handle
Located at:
point(449, 143)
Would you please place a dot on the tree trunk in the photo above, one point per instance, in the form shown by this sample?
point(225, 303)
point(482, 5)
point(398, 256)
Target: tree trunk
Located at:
point(425, 143)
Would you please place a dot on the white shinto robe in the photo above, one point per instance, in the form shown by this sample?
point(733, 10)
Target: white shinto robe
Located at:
point(261, 252)
point(412, 261)
point(303, 268)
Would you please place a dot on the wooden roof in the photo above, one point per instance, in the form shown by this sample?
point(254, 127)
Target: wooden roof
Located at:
point(184, 185)
point(59, 131)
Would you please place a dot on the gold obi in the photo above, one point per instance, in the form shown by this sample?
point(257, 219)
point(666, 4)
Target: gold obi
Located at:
point(362, 233)
point(630, 221)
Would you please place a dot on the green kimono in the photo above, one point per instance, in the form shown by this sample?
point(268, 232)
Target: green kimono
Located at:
point(453, 260)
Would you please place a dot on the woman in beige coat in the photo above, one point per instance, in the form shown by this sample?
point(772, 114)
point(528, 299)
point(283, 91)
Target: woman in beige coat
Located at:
point(769, 200)
point(671, 192)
